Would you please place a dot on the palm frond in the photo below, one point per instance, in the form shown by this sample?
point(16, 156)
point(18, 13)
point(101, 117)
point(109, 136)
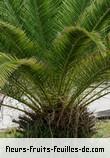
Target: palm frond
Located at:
point(16, 41)
point(38, 20)
point(9, 64)
point(69, 12)
point(96, 15)
point(71, 44)
point(89, 72)
point(10, 11)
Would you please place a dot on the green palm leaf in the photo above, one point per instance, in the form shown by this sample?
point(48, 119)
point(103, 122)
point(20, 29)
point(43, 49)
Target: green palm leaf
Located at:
point(96, 15)
point(9, 64)
point(55, 54)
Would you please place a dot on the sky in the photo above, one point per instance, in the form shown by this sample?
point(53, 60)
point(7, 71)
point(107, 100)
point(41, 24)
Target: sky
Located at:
point(101, 104)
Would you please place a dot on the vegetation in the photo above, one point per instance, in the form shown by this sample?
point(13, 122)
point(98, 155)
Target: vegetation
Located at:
point(55, 59)
point(38, 125)
point(10, 133)
point(103, 129)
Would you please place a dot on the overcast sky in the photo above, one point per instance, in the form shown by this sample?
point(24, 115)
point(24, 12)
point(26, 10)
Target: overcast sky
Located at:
point(101, 104)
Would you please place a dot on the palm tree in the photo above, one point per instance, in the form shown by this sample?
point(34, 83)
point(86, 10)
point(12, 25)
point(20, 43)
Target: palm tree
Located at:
point(55, 59)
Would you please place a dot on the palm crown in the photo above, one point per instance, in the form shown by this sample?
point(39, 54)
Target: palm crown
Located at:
point(54, 51)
